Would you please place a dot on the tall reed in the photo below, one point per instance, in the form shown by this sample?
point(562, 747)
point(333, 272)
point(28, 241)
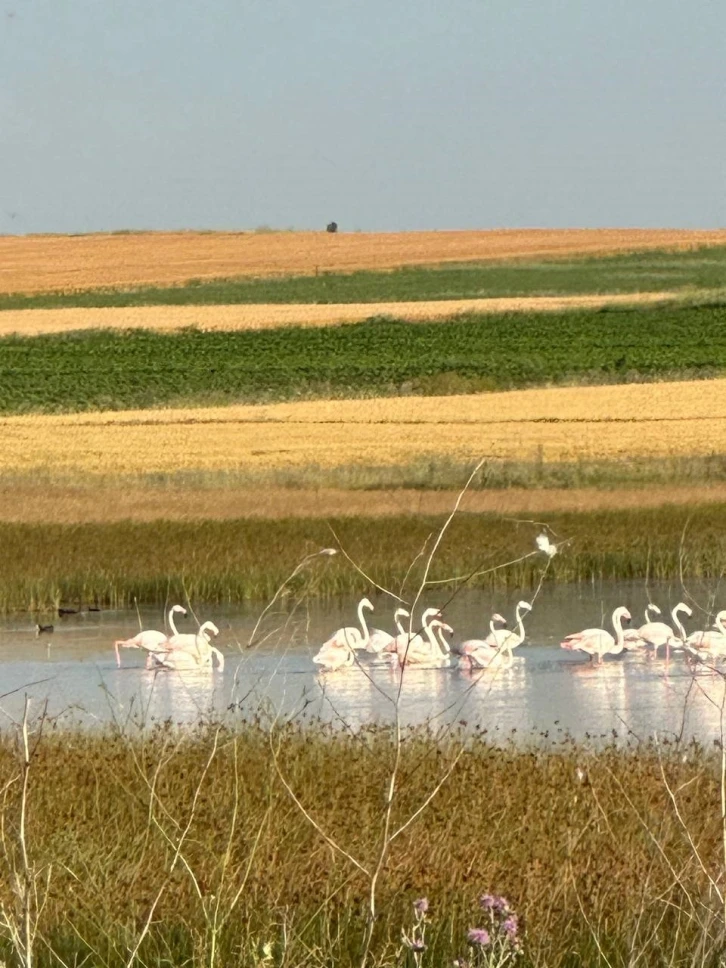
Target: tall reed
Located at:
point(246, 560)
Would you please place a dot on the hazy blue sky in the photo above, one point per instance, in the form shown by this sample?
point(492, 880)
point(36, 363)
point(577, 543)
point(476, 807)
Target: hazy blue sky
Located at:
point(381, 114)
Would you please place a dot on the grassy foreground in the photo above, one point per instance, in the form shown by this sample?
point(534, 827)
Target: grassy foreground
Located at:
point(118, 563)
point(169, 849)
point(140, 369)
point(703, 268)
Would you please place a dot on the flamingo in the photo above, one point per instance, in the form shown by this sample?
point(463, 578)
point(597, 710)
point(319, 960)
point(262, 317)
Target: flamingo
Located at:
point(415, 650)
point(481, 653)
point(598, 642)
point(190, 641)
point(712, 641)
point(380, 641)
point(407, 637)
point(656, 634)
point(149, 640)
point(632, 637)
point(332, 656)
point(197, 656)
point(351, 636)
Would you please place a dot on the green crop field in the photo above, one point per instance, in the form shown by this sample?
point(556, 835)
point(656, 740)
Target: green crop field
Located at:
point(117, 370)
point(639, 272)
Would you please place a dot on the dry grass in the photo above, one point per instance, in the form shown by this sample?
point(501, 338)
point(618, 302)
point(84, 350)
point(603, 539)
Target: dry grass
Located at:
point(50, 262)
point(30, 503)
point(571, 423)
point(589, 848)
point(34, 322)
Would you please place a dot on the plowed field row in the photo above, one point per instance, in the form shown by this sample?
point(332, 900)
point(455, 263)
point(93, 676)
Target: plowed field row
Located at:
point(35, 322)
point(47, 262)
point(592, 423)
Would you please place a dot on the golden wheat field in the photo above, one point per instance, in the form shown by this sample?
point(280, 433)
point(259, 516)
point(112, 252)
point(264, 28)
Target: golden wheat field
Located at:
point(571, 423)
point(34, 322)
point(56, 262)
point(27, 502)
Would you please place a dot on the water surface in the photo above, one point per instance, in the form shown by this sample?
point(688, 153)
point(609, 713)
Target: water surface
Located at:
point(548, 692)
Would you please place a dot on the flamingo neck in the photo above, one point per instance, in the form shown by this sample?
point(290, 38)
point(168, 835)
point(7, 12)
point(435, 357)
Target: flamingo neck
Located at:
point(720, 624)
point(618, 626)
point(678, 624)
point(363, 625)
point(399, 623)
point(172, 623)
point(520, 623)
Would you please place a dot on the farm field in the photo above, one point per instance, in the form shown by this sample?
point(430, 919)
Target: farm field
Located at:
point(47, 262)
point(685, 271)
point(557, 424)
point(99, 370)
point(230, 318)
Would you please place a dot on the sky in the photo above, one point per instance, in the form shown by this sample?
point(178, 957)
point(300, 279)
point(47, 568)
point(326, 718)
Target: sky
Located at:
point(383, 115)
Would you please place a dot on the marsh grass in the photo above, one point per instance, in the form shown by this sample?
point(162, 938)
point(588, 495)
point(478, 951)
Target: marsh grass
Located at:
point(586, 845)
point(698, 269)
point(216, 562)
point(431, 473)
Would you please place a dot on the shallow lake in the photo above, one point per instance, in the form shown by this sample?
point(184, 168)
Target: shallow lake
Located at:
point(547, 691)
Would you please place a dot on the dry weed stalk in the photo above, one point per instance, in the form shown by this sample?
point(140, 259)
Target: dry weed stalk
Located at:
point(28, 883)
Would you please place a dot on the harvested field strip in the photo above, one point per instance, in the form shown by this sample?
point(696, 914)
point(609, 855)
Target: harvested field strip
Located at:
point(565, 424)
point(48, 262)
point(79, 505)
point(100, 370)
point(34, 322)
point(116, 563)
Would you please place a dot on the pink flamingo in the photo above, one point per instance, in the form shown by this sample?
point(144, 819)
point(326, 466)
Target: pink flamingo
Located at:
point(711, 642)
point(480, 653)
point(380, 641)
point(407, 638)
point(333, 656)
point(598, 642)
point(351, 636)
point(149, 640)
point(415, 651)
point(199, 657)
point(656, 634)
point(632, 637)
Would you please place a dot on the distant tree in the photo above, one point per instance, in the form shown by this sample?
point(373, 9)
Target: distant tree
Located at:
point(331, 227)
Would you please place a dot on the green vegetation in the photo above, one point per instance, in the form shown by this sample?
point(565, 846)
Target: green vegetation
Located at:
point(637, 272)
point(139, 368)
point(169, 849)
point(116, 564)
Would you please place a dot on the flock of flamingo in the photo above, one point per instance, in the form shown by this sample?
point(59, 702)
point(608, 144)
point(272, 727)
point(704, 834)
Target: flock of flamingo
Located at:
point(428, 647)
point(180, 651)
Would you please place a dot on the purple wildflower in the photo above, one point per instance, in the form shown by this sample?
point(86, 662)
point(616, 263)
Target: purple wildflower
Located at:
point(416, 945)
point(491, 902)
point(510, 927)
point(478, 936)
point(421, 906)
